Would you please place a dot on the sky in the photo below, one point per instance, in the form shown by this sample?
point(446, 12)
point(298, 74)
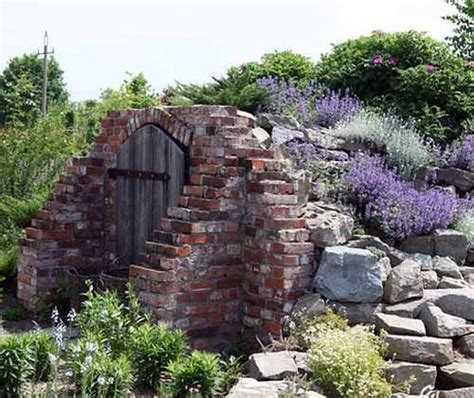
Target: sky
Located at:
point(97, 41)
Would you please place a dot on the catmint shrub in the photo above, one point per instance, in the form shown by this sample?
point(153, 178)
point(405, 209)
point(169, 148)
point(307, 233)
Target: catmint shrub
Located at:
point(334, 107)
point(462, 155)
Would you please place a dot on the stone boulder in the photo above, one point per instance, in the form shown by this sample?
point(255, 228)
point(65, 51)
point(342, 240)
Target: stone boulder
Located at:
point(427, 350)
point(451, 243)
point(283, 135)
point(444, 266)
point(394, 324)
point(407, 309)
point(466, 345)
point(363, 241)
point(308, 306)
point(247, 387)
point(430, 279)
point(347, 274)
point(399, 372)
point(404, 282)
point(440, 324)
point(463, 180)
point(262, 137)
point(330, 229)
point(269, 120)
point(466, 392)
point(458, 302)
point(385, 266)
point(357, 313)
point(451, 283)
point(423, 244)
point(272, 366)
point(459, 374)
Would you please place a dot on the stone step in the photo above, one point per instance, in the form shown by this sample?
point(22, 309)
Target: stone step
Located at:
point(198, 227)
point(269, 175)
point(267, 186)
point(394, 324)
point(259, 164)
point(167, 250)
point(186, 214)
point(458, 374)
point(398, 372)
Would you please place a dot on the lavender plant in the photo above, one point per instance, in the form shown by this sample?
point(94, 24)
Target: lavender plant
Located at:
point(462, 155)
point(335, 107)
point(400, 141)
point(394, 205)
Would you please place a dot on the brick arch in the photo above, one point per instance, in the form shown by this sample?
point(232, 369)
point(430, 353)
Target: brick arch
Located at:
point(234, 252)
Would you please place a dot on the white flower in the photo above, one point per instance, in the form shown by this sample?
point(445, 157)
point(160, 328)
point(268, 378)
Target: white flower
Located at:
point(68, 373)
point(87, 361)
point(71, 316)
point(101, 381)
point(110, 380)
point(55, 315)
point(91, 347)
point(52, 357)
point(76, 348)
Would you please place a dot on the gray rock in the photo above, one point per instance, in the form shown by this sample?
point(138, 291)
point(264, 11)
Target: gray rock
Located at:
point(262, 137)
point(363, 241)
point(357, 313)
point(470, 256)
point(466, 272)
point(272, 365)
point(425, 260)
point(302, 183)
point(301, 359)
point(407, 309)
point(451, 243)
point(467, 392)
point(247, 387)
point(460, 374)
point(451, 283)
point(444, 266)
point(347, 274)
point(463, 180)
point(430, 279)
point(466, 345)
point(458, 302)
point(404, 282)
point(330, 229)
point(384, 264)
point(423, 244)
point(308, 306)
point(313, 394)
point(323, 140)
point(399, 372)
point(282, 135)
point(268, 121)
point(427, 350)
point(440, 324)
point(394, 324)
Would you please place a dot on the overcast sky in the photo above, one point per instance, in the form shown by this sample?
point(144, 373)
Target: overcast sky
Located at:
point(97, 41)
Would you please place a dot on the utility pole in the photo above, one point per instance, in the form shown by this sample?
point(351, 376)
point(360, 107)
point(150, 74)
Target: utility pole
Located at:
point(44, 88)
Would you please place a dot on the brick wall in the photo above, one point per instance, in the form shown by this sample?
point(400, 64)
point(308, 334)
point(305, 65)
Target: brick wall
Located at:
point(233, 253)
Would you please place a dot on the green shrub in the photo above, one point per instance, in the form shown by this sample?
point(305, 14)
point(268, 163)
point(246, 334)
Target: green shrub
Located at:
point(379, 253)
point(238, 87)
point(348, 363)
point(408, 72)
point(197, 373)
point(16, 358)
point(152, 348)
point(13, 314)
point(466, 226)
point(388, 134)
point(45, 355)
point(231, 370)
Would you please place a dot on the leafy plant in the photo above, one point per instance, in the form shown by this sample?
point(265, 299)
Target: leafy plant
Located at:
point(16, 358)
point(465, 224)
point(407, 72)
point(463, 38)
point(349, 363)
point(197, 373)
point(152, 348)
point(388, 134)
point(44, 355)
point(231, 370)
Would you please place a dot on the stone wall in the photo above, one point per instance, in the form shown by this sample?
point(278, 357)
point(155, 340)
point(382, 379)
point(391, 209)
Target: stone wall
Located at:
point(234, 252)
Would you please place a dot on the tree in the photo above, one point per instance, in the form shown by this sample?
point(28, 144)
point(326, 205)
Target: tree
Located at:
point(20, 89)
point(463, 38)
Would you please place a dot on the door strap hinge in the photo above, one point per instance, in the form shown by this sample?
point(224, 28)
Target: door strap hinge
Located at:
point(141, 174)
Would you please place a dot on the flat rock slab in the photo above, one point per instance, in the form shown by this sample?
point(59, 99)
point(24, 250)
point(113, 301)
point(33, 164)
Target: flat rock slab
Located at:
point(427, 350)
point(460, 374)
point(404, 282)
point(440, 324)
point(347, 274)
point(247, 387)
point(444, 266)
point(357, 313)
point(330, 228)
point(394, 324)
point(407, 309)
point(466, 345)
point(399, 372)
point(458, 302)
point(447, 282)
point(467, 392)
point(272, 366)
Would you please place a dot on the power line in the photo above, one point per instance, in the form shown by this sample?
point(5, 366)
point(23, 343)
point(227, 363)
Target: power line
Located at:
point(44, 87)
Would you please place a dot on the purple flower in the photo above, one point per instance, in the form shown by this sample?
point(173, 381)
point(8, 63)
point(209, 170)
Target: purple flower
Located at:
point(334, 107)
point(378, 60)
point(394, 205)
point(393, 61)
point(462, 155)
point(430, 68)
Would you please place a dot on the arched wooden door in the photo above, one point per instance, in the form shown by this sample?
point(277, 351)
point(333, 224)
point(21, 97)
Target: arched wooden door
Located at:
point(150, 175)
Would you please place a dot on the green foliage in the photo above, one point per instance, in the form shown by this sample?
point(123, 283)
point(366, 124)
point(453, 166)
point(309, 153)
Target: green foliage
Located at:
point(152, 348)
point(408, 72)
point(463, 38)
point(231, 370)
point(465, 225)
point(388, 134)
point(196, 373)
point(16, 354)
point(349, 363)
point(13, 314)
point(44, 355)
point(379, 253)
point(239, 88)
point(20, 89)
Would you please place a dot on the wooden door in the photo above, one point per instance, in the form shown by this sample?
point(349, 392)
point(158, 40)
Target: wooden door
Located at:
point(150, 176)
